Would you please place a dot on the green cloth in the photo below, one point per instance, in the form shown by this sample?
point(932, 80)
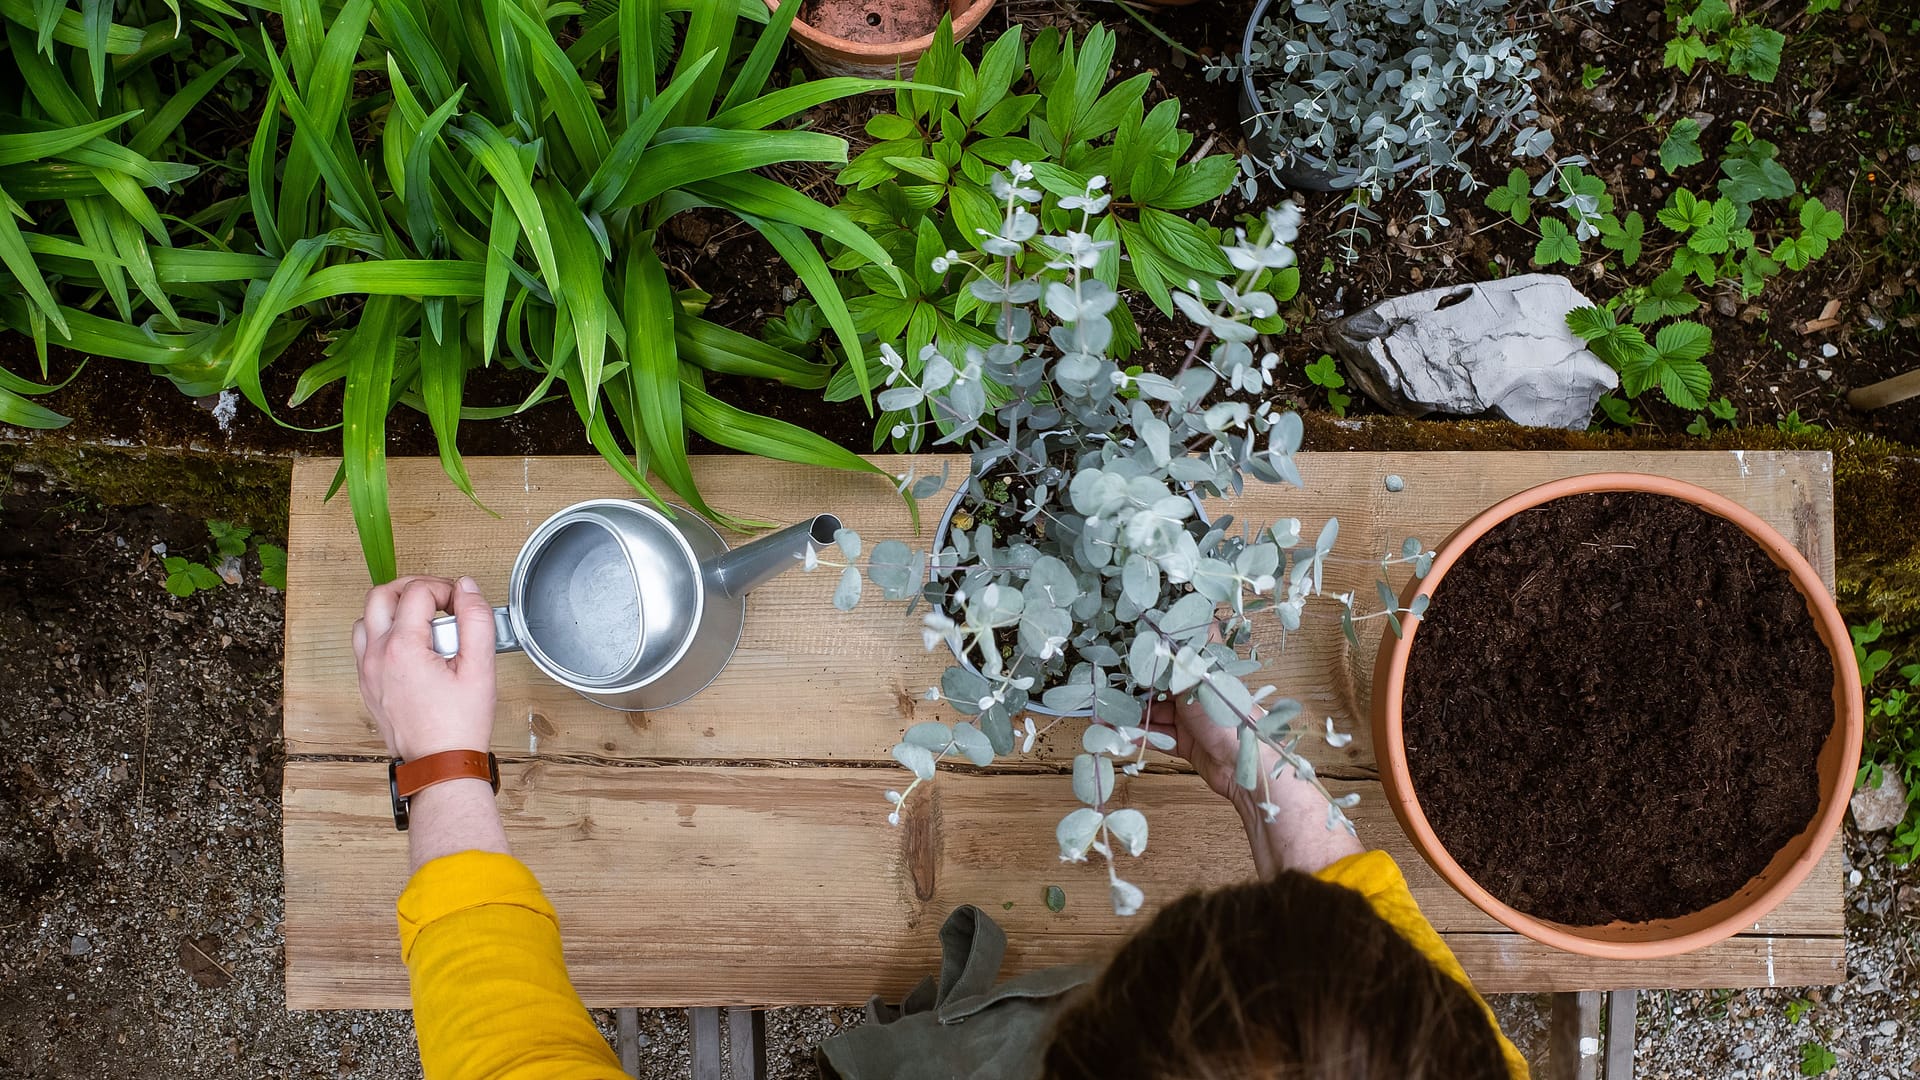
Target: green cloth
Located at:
point(961, 1026)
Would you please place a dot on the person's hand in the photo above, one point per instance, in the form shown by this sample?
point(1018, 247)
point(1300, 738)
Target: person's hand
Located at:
point(1212, 749)
point(424, 702)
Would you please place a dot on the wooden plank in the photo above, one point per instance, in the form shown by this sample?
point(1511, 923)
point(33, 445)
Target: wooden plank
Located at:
point(628, 1022)
point(1621, 1008)
point(810, 683)
point(705, 1026)
point(685, 885)
point(1573, 1037)
point(747, 1043)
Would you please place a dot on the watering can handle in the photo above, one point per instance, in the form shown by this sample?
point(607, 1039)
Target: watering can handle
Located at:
point(446, 634)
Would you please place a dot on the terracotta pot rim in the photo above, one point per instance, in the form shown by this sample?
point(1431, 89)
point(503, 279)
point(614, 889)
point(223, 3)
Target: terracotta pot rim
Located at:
point(872, 52)
point(1848, 722)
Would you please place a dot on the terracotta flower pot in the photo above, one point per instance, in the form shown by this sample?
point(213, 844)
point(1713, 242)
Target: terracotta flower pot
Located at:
point(1839, 757)
point(880, 39)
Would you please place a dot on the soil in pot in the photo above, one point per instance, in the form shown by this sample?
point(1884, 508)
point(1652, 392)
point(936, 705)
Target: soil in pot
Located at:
point(875, 22)
point(1614, 709)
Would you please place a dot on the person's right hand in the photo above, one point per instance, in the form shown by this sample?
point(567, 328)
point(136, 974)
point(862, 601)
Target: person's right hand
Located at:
point(423, 702)
point(1210, 748)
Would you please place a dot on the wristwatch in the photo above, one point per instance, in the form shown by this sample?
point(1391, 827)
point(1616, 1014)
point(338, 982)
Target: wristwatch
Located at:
point(406, 779)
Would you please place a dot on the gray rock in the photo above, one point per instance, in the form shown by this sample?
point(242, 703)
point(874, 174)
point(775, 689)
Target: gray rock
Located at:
point(79, 946)
point(1876, 809)
point(1498, 346)
point(1889, 1028)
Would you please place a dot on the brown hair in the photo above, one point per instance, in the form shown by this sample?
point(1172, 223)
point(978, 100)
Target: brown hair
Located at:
point(1290, 978)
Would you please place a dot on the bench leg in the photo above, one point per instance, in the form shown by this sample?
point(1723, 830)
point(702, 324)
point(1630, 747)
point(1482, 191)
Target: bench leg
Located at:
point(1573, 1037)
point(1620, 1038)
point(628, 1021)
point(706, 1043)
point(747, 1043)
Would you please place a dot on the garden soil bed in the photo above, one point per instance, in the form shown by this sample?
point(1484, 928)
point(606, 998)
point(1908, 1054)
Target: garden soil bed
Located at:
point(1581, 781)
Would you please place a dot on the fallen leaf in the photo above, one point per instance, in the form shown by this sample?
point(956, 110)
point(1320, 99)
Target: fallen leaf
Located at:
point(197, 957)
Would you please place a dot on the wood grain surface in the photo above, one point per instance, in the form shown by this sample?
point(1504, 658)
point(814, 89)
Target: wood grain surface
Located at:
point(735, 850)
point(813, 684)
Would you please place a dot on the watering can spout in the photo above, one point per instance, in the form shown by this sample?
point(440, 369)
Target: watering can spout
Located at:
point(743, 569)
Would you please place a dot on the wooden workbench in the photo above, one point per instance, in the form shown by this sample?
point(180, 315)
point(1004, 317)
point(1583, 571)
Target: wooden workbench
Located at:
point(735, 850)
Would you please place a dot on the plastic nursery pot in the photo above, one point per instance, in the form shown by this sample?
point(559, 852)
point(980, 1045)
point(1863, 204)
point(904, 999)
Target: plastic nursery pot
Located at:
point(1263, 143)
point(876, 38)
point(965, 661)
point(1839, 756)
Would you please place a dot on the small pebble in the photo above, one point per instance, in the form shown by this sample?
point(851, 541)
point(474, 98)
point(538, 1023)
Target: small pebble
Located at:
point(1913, 152)
point(1829, 350)
point(1824, 374)
point(79, 946)
point(1394, 483)
point(1889, 1028)
point(1816, 121)
point(1854, 878)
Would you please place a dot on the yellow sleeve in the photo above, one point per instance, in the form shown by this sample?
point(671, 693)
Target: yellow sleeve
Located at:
point(491, 998)
point(1374, 875)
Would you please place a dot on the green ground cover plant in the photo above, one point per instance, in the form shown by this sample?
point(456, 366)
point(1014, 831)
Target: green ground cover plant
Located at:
point(438, 186)
point(1893, 728)
point(1711, 241)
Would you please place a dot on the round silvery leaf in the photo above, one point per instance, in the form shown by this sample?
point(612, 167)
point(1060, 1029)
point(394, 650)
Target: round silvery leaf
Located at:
point(1145, 660)
point(1076, 832)
point(1074, 697)
point(1246, 765)
point(917, 759)
point(847, 596)
point(896, 568)
point(1215, 580)
point(1044, 631)
point(929, 734)
point(1092, 778)
point(1116, 706)
point(1140, 578)
point(1100, 653)
point(963, 688)
point(1279, 717)
point(1129, 826)
point(972, 743)
point(1099, 739)
point(900, 398)
point(1054, 579)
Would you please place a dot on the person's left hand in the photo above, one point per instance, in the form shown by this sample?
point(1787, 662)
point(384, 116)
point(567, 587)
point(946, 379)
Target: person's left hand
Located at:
point(423, 702)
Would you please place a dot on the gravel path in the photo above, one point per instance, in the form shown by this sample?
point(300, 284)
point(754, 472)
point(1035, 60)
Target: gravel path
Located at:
point(140, 879)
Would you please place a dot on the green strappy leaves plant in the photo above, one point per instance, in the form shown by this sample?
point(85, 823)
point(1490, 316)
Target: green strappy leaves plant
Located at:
point(458, 183)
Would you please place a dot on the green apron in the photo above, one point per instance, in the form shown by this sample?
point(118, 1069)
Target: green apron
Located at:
point(962, 1026)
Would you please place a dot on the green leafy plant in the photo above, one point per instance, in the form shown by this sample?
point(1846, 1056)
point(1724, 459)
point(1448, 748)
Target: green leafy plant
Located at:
point(1793, 425)
point(273, 566)
point(1721, 409)
point(1682, 146)
point(184, 577)
point(1815, 1059)
point(1325, 373)
point(1798, 1008)
point(1893, 728)
point(1591, 75)
point(1710, 31)
point(924, 191)
point(229, 539)
point(1671, 361)
point(519, 161)
point(1513, 197)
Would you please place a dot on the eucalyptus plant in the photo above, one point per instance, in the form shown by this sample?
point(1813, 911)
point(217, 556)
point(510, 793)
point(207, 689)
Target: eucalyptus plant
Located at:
point(1092, 578)
point(1384, 92)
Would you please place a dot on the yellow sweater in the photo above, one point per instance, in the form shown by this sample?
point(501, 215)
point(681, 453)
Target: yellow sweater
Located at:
point(491, 999)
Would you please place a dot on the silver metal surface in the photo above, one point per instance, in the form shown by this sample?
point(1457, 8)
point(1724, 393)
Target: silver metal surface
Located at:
point(630, 609)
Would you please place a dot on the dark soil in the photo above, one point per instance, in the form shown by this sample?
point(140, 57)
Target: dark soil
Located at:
point(1613, 710)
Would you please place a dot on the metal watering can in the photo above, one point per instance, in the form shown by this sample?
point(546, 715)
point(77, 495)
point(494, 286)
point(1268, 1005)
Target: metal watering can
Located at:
point(630, 609)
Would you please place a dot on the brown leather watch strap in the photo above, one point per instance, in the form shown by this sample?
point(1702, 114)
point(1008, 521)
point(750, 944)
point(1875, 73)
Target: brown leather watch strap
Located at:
point(412, 777)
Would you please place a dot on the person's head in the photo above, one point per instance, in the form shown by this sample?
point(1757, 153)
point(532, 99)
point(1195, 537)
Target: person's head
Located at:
point(1289, 978)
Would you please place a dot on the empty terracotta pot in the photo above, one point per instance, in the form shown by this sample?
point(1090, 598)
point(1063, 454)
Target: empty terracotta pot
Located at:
point(1839, 758)
point(880, 39)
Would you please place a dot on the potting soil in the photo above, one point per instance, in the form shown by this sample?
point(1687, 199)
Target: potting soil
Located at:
point(1614, 709)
